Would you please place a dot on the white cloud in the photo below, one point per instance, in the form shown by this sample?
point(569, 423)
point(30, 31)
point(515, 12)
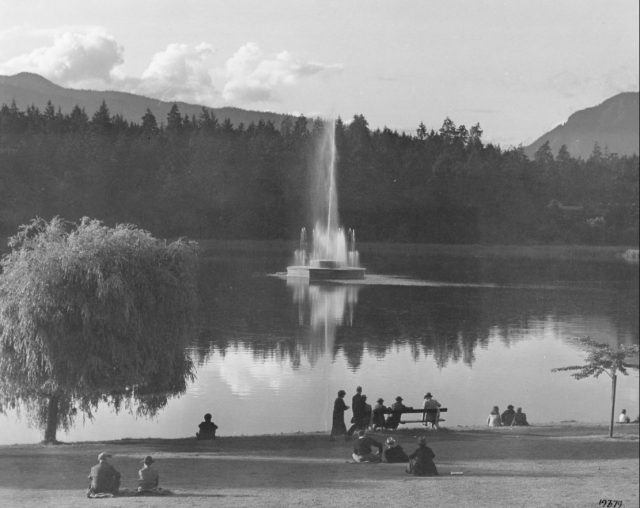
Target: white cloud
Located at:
point(89, 57)
point(245, 375)
point(74, 57)
point(180, 73)
point(253, 76)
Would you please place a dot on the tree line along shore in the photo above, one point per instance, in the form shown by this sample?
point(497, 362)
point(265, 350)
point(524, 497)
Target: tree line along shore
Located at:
point(206, 178)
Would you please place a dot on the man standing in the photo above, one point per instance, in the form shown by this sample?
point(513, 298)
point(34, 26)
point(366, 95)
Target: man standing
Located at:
point(431, 411)
point(105, 479)
point(357, 406)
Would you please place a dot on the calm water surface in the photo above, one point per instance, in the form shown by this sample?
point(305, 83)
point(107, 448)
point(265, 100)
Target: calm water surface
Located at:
point(271, 354)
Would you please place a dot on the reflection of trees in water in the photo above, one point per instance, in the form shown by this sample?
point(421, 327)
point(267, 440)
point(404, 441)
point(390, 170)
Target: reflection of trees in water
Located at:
point(448, 324)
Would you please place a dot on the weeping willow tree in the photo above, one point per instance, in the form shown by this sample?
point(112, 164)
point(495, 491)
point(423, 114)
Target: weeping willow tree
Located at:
point(91, 314)
point(604, 359)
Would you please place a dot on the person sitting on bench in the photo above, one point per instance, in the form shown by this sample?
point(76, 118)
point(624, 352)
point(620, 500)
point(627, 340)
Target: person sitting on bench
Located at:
point(207, 428)
point(396, 413)
point(431, 414)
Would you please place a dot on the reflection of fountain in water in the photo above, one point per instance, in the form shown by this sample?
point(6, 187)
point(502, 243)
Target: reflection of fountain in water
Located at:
point(331, 253)
point(324, 308)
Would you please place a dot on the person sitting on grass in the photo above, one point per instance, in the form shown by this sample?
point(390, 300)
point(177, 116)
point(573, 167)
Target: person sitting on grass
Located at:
point(394, 452)
point(507, 416)
point(149, 479)
point(105, 479)
point(494, 418)
point(364, 449)
point(520, 418)
point(207, 428)
point(624, 418)
point(421, 461)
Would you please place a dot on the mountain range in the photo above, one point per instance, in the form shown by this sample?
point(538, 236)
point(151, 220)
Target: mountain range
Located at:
point(28, 89)
point(612, 124)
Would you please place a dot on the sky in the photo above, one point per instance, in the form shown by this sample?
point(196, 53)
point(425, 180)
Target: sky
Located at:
point(516, 67)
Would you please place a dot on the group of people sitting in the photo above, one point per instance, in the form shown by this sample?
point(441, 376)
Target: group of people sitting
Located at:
point(508, 418)
point(419, 463)
point(105, 479)
point(366, 417)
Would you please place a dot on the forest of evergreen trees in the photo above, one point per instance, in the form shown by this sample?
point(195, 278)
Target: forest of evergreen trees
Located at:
point(206, 178)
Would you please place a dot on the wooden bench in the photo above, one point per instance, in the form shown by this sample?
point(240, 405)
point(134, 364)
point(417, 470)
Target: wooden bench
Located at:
point(411, 410)
point(418, 411)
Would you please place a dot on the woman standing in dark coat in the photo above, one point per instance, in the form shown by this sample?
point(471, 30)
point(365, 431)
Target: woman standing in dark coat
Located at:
point(338, 428)
point(421, 461)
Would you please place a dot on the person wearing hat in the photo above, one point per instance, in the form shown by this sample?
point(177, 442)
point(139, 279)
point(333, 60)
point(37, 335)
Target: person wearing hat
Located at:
point(377, 418)
point(394, 452)
point(397, 409)
point(105, 479)
point(364, 449)
point(508, 416)
point(338, 428)
point(148, 478)
point(431, 411)
point(421, 461)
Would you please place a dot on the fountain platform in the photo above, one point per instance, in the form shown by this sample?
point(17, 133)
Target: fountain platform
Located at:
point(326, 270)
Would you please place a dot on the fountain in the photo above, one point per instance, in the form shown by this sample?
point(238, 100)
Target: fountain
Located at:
point(332, 253)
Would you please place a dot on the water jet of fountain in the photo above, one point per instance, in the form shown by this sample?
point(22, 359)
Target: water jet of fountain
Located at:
point(332, 253)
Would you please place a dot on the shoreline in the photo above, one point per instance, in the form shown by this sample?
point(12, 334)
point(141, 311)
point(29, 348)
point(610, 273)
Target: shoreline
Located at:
point(593, 253)
point(563, 425)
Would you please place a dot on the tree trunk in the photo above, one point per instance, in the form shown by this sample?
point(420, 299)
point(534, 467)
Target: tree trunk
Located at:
point(613, 404)
point(52, 420)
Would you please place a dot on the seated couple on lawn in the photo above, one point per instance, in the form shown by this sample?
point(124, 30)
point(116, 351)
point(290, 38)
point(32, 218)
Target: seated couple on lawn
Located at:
point(105, 480)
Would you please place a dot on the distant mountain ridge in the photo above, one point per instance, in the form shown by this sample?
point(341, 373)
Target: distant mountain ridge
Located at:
point(612, 124)
point(28, 89)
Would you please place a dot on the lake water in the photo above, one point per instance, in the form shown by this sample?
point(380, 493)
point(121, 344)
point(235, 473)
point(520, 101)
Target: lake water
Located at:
point(271, 354)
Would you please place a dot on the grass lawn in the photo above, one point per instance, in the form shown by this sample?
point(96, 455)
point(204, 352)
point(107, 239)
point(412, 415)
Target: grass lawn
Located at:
point(546, 465)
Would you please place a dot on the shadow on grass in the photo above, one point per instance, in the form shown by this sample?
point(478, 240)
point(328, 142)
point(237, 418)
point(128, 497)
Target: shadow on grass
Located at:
point(186, 494)
point(504, 474)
